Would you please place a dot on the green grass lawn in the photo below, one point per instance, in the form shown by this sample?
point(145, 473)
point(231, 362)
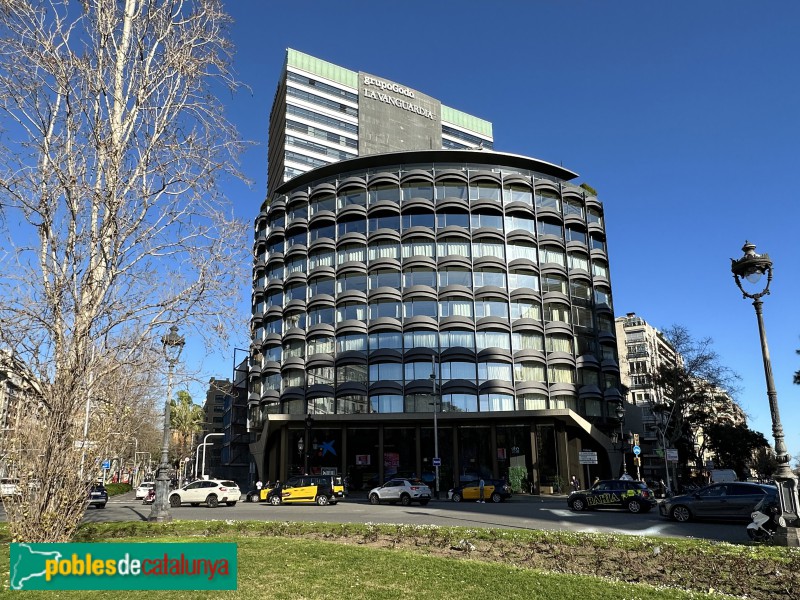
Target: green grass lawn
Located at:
point(310, 569)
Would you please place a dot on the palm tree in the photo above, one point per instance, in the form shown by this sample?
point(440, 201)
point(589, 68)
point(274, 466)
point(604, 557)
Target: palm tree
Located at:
point(186, 420)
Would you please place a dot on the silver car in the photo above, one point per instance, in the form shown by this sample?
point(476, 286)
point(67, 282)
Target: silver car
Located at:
point(404, 491)
point(730, 500)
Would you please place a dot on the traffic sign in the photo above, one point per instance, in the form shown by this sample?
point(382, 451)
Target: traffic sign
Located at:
point(106, 464)
point(437, 462)
point(587, 458)
point(672, 454)
point(637, 451)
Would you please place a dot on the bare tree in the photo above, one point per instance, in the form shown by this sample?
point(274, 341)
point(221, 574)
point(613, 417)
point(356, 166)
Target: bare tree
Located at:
point(115, 143)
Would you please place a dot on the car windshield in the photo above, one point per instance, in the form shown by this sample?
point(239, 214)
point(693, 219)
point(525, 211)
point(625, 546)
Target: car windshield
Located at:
point(228, 483)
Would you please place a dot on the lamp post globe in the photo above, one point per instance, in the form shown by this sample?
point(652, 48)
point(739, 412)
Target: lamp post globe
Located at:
point(752, 267)
point(172, 345)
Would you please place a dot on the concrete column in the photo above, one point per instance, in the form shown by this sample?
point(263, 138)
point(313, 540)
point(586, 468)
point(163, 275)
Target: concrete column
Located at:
point(493, 446)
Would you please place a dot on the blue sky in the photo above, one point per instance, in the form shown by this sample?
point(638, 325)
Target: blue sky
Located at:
point(683, 115)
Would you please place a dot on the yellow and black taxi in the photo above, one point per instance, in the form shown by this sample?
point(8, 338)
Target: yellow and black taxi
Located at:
point(495, 490)
point(308, 489)
point(634, 496)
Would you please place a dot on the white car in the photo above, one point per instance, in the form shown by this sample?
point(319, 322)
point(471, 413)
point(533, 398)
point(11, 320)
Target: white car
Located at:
point(404, 491)
point(211, 492)
point(144, 487)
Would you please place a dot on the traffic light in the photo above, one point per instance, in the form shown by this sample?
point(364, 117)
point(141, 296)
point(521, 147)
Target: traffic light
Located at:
point(635, 439)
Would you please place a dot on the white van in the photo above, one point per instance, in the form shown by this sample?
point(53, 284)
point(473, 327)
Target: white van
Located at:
point(723, 475)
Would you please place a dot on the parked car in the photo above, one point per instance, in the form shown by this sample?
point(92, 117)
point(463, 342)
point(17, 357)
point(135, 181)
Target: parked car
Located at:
point(495, 490)
point(143, 489)
point(307, 489)
point(634, 496)
point(404, 491)
point(730, 500)
point(9, 487)
point(98, 496)
point(211, 492)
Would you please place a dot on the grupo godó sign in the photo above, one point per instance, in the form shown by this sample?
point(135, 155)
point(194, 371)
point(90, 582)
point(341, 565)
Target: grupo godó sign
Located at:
point(378, 89)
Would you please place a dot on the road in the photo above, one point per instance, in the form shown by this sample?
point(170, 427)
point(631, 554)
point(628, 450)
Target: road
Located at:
point(521, 512)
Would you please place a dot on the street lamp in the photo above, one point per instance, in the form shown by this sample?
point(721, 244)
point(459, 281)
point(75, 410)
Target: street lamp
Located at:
point(752, 267)
point(435, 405)
point(172, 345)
point(303, 443)
point(620, 412)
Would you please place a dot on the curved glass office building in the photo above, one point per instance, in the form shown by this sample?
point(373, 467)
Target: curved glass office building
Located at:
point(466, 283)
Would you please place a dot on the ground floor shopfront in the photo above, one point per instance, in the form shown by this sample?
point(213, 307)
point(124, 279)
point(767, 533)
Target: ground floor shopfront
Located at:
point(534, 450)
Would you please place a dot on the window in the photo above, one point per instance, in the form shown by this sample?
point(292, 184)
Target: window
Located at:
point(294, 349)
point(559, 343)
point(387, 193)
point(351, 374)
point(419, 247)
point(552, 282)
point(386, 404)
point(546, 199)
point(455, 277)
point(488, 248)
point(457, 338)
point(384, 278)
point(459, 403)
point(321, 345)
point(532, 401)
point(598, 243)
point(419, 276)
point(326, 231)
point(494, 277)
point(352, 404)
point(600, 269)
point(385, 372)
point(352, 197)
point(496, 402)
point(454, 246)
point(573, 207)
point(417, 189)
point(273, 382)
point(299, 211)
point(554, 311)
point(297, 265)
point(552, 255)
point(384, 249)
point(455, 308)
point(594, 216)
point(421, 339)
point(517, 193)
point(351, 281)
point(319, 315)
point(581, 291)
point(578, 261)
point(529, 371)
point(588, 377)
point(582, 316)
point(321, 376)
point(465, 370)
point(385, 222)
point(451, 189)
point(527, 340)
point(320, 259)
point(523, 279)
point(490, 221)
point(561, 374)
point(417, 371)
point(356, 226)
point(273, 354)
point(517, 222)
point(602, 295)
point(545, 227)
point(484, 191)
point(522, 250)
point(384, 308)
point(494, 370)
point(491, 308)
point(347, 343)
point(576, 235)
point(321, 203)
point(352, 253)
point(426, 219)
point(275, 298)
point(419, 308)
point(351, 310)
point(452, 219)
point(297, 239)
point(525, 309)
point(320, 285)
point(275, 272)
point(293, 378)
point(493, 339)
point(273, 326)
point(295, 320)
point(392, 340)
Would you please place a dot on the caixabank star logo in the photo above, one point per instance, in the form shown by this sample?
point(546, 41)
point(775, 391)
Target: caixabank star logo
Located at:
point(159, 566)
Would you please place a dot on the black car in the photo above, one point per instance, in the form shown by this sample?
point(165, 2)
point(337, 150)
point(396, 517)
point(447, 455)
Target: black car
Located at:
point(733, 500)
point(634, 496)
point(98, 496)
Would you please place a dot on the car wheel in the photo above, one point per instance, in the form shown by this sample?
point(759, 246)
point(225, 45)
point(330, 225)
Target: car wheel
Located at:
point(681, 514)
point(212, 501)
point(322, 500)
point(374, 499)
point(423, 502)
point(578, 504)
point(251, 497)
point(175, 501)
point(275, 500)
point(231, 503)
point(496, 497)
point(456, 497)
point(405, 499)
point(758, 535)
point(634, 506)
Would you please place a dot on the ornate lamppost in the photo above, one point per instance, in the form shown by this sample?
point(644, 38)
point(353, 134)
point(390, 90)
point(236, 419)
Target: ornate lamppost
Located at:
point(172, 345)
point(435, 405)
point(752, 267)
point(620, 439)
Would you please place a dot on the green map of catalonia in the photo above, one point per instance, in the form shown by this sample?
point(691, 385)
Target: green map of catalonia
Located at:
point(28, 563)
